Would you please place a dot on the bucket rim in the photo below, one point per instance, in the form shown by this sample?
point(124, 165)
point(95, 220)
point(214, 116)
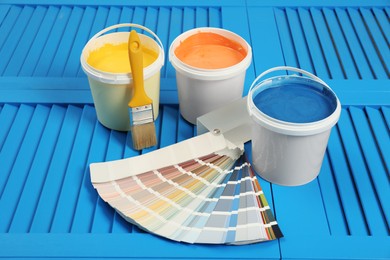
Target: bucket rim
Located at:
point(291, 128)
point(210, 74)
point(122, 78)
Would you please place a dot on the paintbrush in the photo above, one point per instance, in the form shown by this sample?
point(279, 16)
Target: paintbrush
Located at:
point(143, 130)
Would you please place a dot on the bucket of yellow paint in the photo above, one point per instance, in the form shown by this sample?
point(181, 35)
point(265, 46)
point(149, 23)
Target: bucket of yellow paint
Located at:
point(210, 69)
point(111, 84)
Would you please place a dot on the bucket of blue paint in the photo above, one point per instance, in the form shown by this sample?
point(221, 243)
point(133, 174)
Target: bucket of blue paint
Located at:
point(292, 116)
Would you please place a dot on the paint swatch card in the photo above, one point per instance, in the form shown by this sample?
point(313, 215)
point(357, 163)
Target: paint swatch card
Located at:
point(212, 199)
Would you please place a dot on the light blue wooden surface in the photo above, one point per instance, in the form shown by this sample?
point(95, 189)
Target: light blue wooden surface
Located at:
point(49, 133)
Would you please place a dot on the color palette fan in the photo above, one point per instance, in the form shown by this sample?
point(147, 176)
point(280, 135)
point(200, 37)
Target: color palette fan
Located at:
point(211, 199)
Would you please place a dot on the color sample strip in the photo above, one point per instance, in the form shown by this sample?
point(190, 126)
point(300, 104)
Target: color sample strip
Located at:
point(231, 234)
point(203, 209)
point(211, 200)
point(272, 229)
point(216, 227)
point(149, 202)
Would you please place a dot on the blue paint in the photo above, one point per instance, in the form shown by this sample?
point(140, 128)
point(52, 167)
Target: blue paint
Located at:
point(295, 100)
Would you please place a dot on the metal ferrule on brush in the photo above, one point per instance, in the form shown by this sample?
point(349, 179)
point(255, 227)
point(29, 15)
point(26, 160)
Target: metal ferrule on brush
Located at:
point(141, 115)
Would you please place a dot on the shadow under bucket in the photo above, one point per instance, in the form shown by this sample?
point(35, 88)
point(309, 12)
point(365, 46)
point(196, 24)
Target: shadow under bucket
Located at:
point(292, 117)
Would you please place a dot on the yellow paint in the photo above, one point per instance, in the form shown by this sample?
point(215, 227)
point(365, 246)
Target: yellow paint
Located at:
point(111, 99)
point(115, 58)
point(208, 50)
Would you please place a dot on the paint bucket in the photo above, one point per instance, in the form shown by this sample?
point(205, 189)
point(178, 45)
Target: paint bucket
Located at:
point(288, 152)
point(202, 90)
point(111, 92)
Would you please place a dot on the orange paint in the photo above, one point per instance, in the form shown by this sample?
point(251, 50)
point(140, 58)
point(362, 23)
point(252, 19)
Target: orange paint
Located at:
point(210, 51)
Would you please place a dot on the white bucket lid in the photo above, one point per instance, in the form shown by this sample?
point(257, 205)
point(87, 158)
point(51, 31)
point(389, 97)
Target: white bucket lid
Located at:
point(121, 78)
point(210, 74)
point(289, 128)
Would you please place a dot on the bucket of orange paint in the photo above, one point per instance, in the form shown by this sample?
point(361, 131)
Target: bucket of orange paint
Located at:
point(112, 89)
point(210, 66)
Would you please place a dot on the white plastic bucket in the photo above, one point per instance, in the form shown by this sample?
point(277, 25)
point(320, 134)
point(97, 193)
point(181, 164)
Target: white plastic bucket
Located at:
point(288, 153)
point(203, 90)
point(112, 92)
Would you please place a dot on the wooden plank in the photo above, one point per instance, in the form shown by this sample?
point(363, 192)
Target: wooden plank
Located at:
point(300, 43)
point(354, 45)
point(367, 44)
point(286, 41)
point(25, 42)
point(37, 174)
point(201, 17)
point(66, 204)
point(151, 19)
point(386, 115)
point(314, 3)
point(263, 3)
point(12, 144)
point(53, 96)
point(169, 126)
point(340, 42)
point(336, 247)
point(126, 17)
point(3, 12)
point(383, 22)
point(314, 47)
point(58, 64)
point(48, 197)
point(327, 44)
point(185, 130)
point(98, 25)
point(53, 41)
point(215, 17)
point(348, 194)
point(331, 199)
point(113, 16)
point(124, 246)
point(16, 180)
point(300, 210)
point(381, 133)
point(189, 21)
point(169, 3)
point(7, 117)
point(8, 23)
point(382, 47)
point(72, 65)
point(8, 48)
point(84, 213)
point(39, 42)
point(76, 90)
point(365, 191)
point(375, 159)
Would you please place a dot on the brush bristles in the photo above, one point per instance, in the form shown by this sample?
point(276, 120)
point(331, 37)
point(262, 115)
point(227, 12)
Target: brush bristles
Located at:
point(143, 136)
